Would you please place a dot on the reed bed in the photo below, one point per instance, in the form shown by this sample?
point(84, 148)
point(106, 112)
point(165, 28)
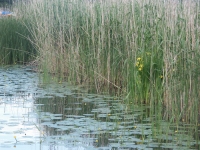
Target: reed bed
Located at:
point(15, 43)
point(145, 50)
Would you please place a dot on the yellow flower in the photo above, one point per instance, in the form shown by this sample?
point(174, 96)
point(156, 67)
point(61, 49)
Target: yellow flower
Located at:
point(138, 59)
point(137, 63)
point(161, 76)
point(140, 69)
point(141, 65)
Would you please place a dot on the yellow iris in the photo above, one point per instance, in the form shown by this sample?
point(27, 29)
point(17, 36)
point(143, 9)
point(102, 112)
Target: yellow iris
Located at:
point(139, 64)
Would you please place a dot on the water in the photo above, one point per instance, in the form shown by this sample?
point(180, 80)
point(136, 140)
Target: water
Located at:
point(35, 116)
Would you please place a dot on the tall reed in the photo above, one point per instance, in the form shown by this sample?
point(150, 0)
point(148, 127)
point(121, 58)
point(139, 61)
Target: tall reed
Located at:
point(146, 49)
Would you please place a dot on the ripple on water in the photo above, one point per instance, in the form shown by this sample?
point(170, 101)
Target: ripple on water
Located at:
point(66, 117)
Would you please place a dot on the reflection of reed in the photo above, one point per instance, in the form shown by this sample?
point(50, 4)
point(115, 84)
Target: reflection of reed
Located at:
point(54, 105)
point(64, 105)
point(102, 139)
point(99, 140)
point(67, 107)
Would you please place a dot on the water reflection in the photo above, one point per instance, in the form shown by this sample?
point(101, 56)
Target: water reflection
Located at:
point(95, 121)
point(16, 102)
point(61, 117)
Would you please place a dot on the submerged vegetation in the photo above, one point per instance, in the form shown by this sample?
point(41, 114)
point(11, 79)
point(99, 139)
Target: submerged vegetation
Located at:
point(145, 50)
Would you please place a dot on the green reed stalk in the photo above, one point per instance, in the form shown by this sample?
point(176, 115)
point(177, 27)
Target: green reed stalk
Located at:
point(145, 49)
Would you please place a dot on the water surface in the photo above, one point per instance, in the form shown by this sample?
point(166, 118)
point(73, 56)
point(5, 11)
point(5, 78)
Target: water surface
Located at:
point(36, 116)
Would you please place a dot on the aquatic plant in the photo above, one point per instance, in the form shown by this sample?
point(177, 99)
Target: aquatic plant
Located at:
point(15, 44)
point(147, 50)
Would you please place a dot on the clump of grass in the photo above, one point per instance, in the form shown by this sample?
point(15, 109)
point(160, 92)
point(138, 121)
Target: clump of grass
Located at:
point(15, 44)
point(148, 50)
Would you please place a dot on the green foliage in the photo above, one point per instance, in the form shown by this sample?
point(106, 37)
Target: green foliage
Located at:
point(15, 44)
point(147, 50)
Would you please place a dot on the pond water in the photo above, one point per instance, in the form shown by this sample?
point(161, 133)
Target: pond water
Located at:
point(36, 116)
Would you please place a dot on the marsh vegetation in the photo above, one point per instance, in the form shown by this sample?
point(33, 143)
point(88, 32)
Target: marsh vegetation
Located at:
point(145, 52)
